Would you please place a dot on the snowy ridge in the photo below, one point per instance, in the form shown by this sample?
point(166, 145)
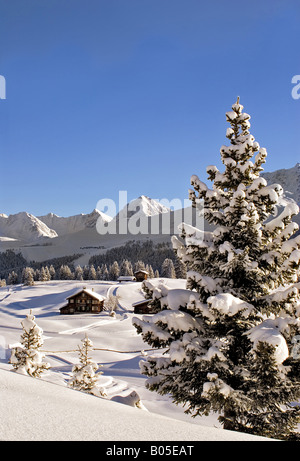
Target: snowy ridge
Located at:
point(76, 223)
point(24, 226)
point(289, 179)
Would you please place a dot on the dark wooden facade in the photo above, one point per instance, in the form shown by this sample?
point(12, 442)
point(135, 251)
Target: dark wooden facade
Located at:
point(83, 301)
point(142, 307)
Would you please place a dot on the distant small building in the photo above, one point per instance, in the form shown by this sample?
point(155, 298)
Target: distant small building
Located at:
point(141, 275)
point(126, 278)
point(83, 301)
point(142, 307)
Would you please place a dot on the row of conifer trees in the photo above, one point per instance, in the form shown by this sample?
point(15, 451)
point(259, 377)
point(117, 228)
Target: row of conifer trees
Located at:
point(29, 275)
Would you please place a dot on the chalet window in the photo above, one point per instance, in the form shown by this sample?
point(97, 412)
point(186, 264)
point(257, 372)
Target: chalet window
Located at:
point(71, 300)
point(95, 301)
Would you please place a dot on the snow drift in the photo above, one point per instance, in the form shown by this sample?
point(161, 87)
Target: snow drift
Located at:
point(36, 410)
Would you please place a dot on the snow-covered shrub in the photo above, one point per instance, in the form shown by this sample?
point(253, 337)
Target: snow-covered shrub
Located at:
point(133, 400)
point(27, 358)
point(86, 374)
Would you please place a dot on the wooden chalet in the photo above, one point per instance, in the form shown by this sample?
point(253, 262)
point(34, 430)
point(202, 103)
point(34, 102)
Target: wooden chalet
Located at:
point(83, 301)
point(141, 275)
point(142, 307)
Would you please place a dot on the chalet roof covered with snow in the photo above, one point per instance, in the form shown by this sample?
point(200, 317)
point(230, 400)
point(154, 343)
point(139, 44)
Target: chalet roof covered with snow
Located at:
point(89, 292)
point(126, 278)
point(139, 303)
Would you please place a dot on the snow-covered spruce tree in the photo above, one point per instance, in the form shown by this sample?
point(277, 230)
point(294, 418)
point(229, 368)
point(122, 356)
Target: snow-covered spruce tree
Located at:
point(28, 358)
point(28, 276)
point(92, 273)
point(126, 268)
point(105, 272)
point(180, 269)
point(150, 271)
point(65, 272)
point(78, 275)
point(228, 348)
point(13, 278)
point(85, 375)
point(168, 269)
point(114, 271)
point(52, 272)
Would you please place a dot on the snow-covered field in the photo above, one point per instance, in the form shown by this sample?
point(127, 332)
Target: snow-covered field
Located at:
point(46, 409)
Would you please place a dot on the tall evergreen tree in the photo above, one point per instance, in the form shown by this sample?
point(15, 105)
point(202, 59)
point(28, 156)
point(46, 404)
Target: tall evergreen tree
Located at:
point(86, 271)
point(43, 275)
point(13, 278)
point(28, 276)
point(150, 271)
point(92, 273)
point(114, 271)
point(105, 272)
point(65, 273)
point(98, 273)
point(78, 275)
point(229, 347)
point(139, 266)
point(126, 268)
point(52, 272)
point(47, 273)
point(180, 269)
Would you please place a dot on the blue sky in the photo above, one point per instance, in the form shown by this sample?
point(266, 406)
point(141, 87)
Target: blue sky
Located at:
point(109, 95)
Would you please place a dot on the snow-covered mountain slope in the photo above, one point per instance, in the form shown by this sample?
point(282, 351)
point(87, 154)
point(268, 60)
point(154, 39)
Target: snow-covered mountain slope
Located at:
point(24, 226)
point(289, 179)
point(28, 228)
point(80, 234)
point(37, 410)
point(46, 409)
point(72, 224)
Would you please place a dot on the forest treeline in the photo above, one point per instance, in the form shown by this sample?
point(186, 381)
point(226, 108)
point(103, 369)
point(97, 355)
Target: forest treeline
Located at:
point(157, 259)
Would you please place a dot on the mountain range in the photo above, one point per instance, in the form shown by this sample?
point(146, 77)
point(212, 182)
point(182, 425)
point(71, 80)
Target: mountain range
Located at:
point(28, 228)
point(50, 236)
